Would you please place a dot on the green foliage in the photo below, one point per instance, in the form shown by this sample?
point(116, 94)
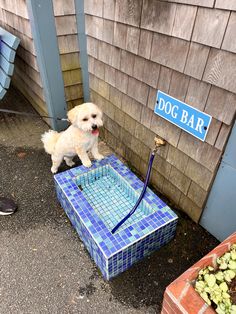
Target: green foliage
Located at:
point(213, 285)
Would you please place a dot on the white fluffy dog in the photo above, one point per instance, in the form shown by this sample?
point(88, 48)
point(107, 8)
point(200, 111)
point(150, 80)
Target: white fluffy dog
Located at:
point(78, 139)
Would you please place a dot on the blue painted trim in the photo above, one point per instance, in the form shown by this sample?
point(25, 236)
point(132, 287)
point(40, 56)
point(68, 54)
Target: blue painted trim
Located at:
point(80, 17)
point(45, 38)
point(219, 215)
point(230, 151)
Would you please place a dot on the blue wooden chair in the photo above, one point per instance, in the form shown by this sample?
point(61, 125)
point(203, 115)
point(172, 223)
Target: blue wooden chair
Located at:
point(8, 46)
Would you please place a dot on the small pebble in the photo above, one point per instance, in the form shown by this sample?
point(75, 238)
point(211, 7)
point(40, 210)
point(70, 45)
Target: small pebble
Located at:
point(170, 260)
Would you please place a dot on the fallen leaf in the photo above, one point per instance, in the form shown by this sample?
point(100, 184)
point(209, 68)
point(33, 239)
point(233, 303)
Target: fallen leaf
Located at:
point(21, 155)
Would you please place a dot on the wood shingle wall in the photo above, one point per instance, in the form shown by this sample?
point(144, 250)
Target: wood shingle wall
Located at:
point(14, 18)
point(185, 48)
point(66, 27)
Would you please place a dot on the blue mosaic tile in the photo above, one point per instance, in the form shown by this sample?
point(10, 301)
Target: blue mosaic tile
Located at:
point(95, 199)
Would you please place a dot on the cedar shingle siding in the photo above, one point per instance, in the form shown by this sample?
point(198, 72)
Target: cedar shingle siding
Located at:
point(184, 48)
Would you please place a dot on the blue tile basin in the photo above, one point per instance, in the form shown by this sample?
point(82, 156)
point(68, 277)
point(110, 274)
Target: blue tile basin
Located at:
point(95, 199)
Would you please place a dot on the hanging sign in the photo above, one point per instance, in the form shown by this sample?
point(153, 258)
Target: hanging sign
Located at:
point(182, 115)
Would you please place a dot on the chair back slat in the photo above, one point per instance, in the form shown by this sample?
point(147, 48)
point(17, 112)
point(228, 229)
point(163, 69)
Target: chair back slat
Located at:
point(7, 66)
point(9, 39)
point(7, 52)
point(4, 79)
point(8, 46)
point(2, 92)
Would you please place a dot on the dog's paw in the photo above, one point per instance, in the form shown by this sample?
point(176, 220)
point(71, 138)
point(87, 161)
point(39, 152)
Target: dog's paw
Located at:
point(53, 170)
point(99, 157)
point(87, 164)
point(70, 163)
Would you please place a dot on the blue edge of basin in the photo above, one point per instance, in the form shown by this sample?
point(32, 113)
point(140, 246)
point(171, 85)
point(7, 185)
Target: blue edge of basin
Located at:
point(115, 253)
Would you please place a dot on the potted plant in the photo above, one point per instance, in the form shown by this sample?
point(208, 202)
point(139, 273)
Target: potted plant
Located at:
point(208, 287)
point(217, 286)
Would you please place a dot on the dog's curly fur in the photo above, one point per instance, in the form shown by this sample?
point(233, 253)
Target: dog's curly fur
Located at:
point(78, 139)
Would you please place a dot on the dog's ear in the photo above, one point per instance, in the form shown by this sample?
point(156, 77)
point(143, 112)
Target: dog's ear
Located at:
point(72, 115)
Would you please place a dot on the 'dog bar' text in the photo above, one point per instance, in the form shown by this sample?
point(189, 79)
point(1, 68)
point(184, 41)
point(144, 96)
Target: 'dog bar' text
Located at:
point(182, 115)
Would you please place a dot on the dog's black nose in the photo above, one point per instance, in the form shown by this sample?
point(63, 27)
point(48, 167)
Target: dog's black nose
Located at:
point(94, 126)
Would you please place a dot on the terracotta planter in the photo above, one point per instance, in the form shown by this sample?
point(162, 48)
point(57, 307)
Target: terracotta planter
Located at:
point(180, 296)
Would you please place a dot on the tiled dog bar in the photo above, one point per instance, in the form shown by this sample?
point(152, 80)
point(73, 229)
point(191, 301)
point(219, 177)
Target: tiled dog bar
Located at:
point(95, 199)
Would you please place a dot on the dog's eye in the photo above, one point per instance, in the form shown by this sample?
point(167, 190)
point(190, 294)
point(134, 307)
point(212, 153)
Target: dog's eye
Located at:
point(85, 119)
point(94, 116)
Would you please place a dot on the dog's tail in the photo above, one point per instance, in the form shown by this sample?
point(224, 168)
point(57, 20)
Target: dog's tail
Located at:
point(49, 140)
